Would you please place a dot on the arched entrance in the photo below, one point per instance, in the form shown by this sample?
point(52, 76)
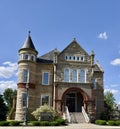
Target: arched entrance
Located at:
point(74, 98)
point(74, 101)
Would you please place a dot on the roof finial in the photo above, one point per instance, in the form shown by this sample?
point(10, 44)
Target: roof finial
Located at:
point(74, 39)
point(29, 32)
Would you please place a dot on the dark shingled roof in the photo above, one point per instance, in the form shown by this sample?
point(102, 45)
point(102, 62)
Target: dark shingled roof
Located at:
point(49, 55)
point(47, 58)
point(39, 60)
point(28, 43)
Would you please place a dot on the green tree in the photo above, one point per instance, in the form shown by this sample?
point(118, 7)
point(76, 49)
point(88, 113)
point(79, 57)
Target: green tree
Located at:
point(9, 94)
point(109, 100)
point(109, 105)
point(3, 109)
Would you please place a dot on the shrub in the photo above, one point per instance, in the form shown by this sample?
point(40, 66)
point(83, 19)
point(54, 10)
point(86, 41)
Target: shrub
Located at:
point(100, 122)
point(117, 122)
point(14, 123)
point(44, 123)
point(54, 123)
point(4, 123)
point(44, 108)
point(110, 122)
point(60, 121)
point(35, 123)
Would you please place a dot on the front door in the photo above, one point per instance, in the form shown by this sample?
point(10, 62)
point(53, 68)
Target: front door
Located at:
point(74, 101)
point(71, 102)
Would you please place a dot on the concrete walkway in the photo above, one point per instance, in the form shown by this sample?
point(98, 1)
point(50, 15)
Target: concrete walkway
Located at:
point(70, 126)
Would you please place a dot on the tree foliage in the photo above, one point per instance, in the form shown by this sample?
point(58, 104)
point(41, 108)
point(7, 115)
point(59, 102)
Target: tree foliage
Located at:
point(3, 109)
point(9, 95)
point(109, 100)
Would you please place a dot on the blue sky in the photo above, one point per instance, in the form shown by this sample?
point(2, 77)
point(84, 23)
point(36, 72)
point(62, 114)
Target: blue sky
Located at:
point(53, 24)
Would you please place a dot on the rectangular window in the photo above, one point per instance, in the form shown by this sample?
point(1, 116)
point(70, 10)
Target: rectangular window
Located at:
point(45, 100)
point(25, 75)
point(45, 78)
point(24, 99)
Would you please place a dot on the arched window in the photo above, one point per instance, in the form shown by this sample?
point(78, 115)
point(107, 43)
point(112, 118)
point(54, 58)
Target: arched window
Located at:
point(74, 75)
point(25, 56)
point(66, 75)
point(82, 76)
point(32, 58)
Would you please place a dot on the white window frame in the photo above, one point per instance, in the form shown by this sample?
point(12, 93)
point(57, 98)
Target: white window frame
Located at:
point(76, 76)
point(68, 75)
point(25, 77)
point(43, 95)
point(84, 76)
point(48, 77)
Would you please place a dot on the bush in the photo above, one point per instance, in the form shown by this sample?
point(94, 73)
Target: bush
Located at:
point(100, 122)
point(60, 121)
point(14, 123)
point(35, 123)
point(44, 123)
point(117, 122)
point(44, 108)
point(54, 123)
point(110, 122)
point(4, 123)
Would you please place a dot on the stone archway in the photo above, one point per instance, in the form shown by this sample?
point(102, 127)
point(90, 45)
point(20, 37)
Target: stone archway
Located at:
point(74, 98)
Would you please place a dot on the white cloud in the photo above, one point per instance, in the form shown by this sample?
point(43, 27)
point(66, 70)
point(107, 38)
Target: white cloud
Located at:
point(115, 62)
point(7, 84)
point(8, 69)
point(103, 35)
point(112, 91)
point(114, 85)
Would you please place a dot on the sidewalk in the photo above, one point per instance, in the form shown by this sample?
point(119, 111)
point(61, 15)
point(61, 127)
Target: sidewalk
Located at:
point(70, 126)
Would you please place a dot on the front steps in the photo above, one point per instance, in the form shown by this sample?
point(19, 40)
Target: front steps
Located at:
point(77, 117)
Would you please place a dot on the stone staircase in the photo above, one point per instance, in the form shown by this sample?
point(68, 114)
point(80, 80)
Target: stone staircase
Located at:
point(77, 117)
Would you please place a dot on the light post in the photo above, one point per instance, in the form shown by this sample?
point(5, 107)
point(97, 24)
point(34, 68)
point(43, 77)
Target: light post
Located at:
point(27, 100)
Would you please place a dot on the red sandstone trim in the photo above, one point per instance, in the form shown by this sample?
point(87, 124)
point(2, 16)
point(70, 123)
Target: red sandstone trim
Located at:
point(23, 85)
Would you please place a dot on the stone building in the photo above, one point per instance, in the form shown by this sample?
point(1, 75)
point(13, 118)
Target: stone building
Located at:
point(69, 78)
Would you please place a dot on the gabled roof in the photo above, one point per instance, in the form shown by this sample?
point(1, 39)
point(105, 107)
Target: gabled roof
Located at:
point(73, 46)
point(98, 68)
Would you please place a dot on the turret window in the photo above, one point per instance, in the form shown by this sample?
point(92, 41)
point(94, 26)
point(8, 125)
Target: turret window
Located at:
point(24, 99)
point(25, 57)
point(32, 58)
point(25, 75)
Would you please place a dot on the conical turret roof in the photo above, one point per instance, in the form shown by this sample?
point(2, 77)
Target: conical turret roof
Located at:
point(28, 44)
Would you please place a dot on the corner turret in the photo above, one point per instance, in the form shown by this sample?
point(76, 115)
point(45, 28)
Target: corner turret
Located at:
point(28, 51)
